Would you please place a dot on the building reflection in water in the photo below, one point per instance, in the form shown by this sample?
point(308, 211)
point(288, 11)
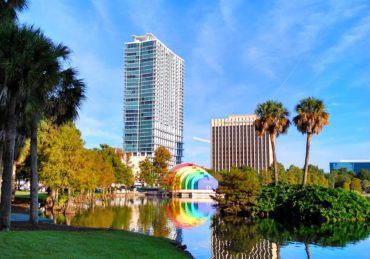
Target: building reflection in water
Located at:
point(230, 239)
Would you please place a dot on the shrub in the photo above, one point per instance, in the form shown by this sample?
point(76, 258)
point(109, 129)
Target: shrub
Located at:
point(311, 204)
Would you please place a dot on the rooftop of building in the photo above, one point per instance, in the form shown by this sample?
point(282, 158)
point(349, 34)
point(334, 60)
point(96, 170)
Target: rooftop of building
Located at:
point(146, 37)
point(150, 37)
point(236, 117)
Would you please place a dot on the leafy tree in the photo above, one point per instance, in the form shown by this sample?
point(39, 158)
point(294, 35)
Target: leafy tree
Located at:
point(293, 175)
point(356, 185)
point(162, 156)
point(238, 191)
point(61, 155)
point(366, 186)
point(341, 176)
point(216, 175)
point(310, 120)
point(123, 173)
point(317, 176)
point(266, 177)
point(273, 119)
point(364, 174)
point(346, 185)
point(147, 172)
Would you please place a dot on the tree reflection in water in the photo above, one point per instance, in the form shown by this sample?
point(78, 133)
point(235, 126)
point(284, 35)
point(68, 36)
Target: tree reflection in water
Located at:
point(230, 237)
point(233, 237)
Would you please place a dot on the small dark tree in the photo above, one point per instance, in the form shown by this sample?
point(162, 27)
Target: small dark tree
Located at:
point(238, 191)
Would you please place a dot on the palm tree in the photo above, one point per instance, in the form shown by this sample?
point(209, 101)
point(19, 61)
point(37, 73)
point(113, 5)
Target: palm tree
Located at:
point(9, 8)
point(310, 120)
point(8, 13)
point(44, 80)
point(60, 104)
point(21, 52)
point(272, 118)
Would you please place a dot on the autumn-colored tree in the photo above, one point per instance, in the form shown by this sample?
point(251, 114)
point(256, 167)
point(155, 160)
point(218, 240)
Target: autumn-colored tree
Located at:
point(162, 156)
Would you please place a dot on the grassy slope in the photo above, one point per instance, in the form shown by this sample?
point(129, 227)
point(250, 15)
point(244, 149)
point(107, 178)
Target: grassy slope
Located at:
point(32, 244)
point(25, 195)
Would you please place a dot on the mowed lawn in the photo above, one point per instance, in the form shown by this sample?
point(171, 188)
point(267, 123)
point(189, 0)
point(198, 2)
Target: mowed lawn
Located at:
point(73, 244)
point(25, 195)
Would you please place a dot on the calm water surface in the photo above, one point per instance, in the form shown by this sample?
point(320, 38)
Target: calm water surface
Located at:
point(195, 224)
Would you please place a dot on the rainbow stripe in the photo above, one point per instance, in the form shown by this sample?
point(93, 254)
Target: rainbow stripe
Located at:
point(191, 177)
point(189, 214)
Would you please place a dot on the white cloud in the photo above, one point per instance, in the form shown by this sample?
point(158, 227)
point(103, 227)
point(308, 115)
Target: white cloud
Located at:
point(203, 140)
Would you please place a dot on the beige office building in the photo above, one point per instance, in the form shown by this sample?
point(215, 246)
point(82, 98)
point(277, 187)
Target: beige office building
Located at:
point(234, 143)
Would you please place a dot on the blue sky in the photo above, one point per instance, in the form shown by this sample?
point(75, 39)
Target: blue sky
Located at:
point(237, 54)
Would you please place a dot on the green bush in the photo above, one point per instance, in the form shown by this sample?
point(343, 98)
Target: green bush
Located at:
point(311, 204)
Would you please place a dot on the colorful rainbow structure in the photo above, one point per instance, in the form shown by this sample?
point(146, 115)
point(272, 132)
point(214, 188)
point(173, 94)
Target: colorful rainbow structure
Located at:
point(189, 214)
point(191, 177)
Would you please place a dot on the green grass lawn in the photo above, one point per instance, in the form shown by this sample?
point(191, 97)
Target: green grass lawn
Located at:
point(70, 244)
point(25, 195)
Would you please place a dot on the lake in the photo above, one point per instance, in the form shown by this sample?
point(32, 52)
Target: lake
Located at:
point(195, 223)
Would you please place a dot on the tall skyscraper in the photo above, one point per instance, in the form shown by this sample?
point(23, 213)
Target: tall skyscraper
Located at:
point(153, 98)
point(234, 142)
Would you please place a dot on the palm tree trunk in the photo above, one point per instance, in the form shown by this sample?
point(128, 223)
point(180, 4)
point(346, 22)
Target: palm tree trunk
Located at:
point(276, 175)
point(308, 142)
point(308, 253)
point(34, 176)
point(1, 165)
point(6, 188)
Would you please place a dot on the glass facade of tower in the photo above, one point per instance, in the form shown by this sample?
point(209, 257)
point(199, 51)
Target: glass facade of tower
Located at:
point(153, 98)
point(139, 97)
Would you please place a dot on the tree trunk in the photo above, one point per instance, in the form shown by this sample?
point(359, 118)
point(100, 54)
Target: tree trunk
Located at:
point(276, 174)
point(34, 202)
point(1, 165)
point(308, 253)
point(14, 184)
point(308, 142)
point(66, 211)
point(6, 188)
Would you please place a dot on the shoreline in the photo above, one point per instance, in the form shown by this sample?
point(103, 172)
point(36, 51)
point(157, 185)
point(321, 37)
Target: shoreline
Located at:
point(41, 227)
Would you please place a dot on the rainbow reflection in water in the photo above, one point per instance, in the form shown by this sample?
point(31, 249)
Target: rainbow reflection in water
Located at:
point(189, 214)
